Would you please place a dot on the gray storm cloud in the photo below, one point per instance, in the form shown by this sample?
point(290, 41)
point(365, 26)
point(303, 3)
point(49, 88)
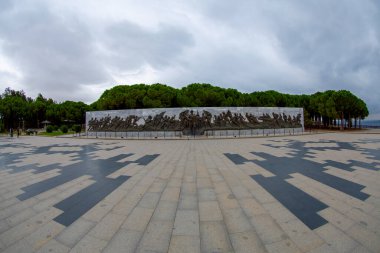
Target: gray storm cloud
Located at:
point(131, 45)
point(290, 46)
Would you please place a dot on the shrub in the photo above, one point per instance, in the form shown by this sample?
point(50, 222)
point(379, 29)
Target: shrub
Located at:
point(64, 129)
point(55, 128)
point(77, 128)
point(49, 129)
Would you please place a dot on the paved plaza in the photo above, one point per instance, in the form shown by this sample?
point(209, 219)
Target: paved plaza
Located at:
point(310, 193)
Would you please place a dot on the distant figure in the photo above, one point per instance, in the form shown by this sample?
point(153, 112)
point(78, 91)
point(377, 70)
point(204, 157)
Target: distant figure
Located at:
point(18, 132)
point(11, 132)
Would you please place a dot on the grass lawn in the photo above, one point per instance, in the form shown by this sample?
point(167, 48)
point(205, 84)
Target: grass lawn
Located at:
point(55, 133)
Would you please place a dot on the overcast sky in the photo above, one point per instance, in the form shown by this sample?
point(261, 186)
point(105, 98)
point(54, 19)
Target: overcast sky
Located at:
point(75, 49)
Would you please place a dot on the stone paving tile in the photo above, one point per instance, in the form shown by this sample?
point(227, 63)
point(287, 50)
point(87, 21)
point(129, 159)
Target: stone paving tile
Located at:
point(336, 218)
point(365, 237)
point(27, 227)
point(42, 235)
point(184, 243)
point(188, 201)
point(236, 220)
point(284, 246)
point(336, 238)
point(171, 194)
point(189, 196)
point(74, 233)
point(304, 238)
point(138, 219)
point(107, 227)
point(165, 211)
point(186, 223)
point(209, 211)
point(214, 237)
point(156, 237)
point(124, 241)
point(89, 244)
point(53, 246)
point(246, 242)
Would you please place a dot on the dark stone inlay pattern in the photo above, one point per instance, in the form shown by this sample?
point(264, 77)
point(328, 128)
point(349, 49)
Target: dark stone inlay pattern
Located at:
point(302, 205)
point(78, 204)
point(86, 163)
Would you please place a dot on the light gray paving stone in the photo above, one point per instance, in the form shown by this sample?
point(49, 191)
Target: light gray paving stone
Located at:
point(156, 237)
point(89, 244)
point(247, 241)
point(138, 219)
point(336, 238)
point(251, 207)
point(19, 246)
point(166, 211)
point(98, 211)
point(324, 248)
point(187, 201)
point(206, 194)
point(19, 206)
point(53, 246)
point(210, 211)
point(4, 226)
point(240, 192)
point(192, 174)
point(27, 227)
point(20, 217)
point(124, 241)
point(43, 235)
point(364, 219)
point(186, 223)
point(336, 218)
point(171, 194)
point(107, 227)
point(267, 229)
point(227, 201)
point(184, 243)
point(221, 187)
point(188, 188)
point(214, 237)
point(236, 221)
point(127, 204)
point(365, 237)
point(158, 186)
point(204, 182)
point(284, 246)
point(149, 200)
point(278, 212)
point(360, 249)
point(75, 232)
point(304, 238)
point(8, 202)
point(175, 182)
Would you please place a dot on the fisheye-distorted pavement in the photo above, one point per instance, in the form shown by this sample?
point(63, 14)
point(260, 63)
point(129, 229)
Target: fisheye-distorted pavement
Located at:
point(314, 193)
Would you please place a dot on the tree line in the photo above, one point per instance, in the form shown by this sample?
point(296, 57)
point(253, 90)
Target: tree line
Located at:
point(325, 109)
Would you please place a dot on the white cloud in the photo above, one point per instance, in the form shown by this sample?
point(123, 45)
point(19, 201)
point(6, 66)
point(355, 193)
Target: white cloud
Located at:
point(57, 47)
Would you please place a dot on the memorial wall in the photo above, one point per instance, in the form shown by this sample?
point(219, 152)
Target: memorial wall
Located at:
point(194, 121)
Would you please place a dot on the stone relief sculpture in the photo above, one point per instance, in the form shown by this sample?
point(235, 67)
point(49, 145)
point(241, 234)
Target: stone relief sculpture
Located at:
point(193, 122)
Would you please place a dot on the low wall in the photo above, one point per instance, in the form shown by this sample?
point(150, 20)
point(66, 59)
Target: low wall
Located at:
point(194, 121)
point(208, 134)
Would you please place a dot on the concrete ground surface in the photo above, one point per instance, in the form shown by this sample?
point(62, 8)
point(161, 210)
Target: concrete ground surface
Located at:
point(312, 193)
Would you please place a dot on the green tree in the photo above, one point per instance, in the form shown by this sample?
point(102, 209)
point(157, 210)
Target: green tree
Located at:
point(13, 107)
